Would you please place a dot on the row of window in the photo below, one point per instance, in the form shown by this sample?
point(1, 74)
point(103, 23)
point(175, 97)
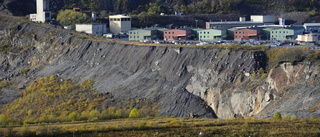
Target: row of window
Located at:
point(239, 36)
point(205, 36)
point(134, 36)
point(168, 32)
point(168, 37)
point(120, 19)
point(279, 31)
point(133, 32)
point(204, 32)
point(275, 36)
point(240, 32)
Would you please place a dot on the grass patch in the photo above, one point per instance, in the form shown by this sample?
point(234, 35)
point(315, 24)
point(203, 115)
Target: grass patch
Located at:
point(168, 127)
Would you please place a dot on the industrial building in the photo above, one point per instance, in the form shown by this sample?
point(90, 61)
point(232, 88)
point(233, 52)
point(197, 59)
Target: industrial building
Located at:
point(212, 34)
point(119, 24)
point(256, 20)
point(98, 29)
point(286, 33)
point(43, 12)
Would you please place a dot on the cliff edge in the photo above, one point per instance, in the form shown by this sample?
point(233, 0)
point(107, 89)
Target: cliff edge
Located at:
point(206, 82)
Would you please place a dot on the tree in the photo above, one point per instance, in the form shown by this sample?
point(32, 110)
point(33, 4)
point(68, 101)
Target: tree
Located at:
point(70, 17)
point(73, 116)
point(277, 116)
point(134, 113)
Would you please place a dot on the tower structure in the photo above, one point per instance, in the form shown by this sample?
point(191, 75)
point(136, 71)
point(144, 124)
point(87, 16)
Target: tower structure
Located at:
point(119, 23)
point(43, 12)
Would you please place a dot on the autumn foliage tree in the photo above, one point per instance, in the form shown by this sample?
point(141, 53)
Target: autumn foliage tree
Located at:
point(70, 17)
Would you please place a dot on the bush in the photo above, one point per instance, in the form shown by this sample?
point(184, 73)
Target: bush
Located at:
point(24, 71)
point(277, 116)
point(315, 56)
point(134, 113)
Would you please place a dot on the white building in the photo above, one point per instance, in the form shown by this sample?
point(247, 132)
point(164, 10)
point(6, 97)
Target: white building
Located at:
point(43, 12)
point(308, 38)
point(119, 23)
point(263, 18)
point(98, 29)
point(311, 27)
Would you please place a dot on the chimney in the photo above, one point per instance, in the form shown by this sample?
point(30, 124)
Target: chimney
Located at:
point(242, 19)
point(282, 21)
point(93, 16)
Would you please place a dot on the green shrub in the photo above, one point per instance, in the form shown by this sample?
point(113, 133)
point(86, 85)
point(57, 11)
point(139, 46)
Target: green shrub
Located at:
point(277, 116)
point(134, 113)
point(3, 119)
point(73, 116)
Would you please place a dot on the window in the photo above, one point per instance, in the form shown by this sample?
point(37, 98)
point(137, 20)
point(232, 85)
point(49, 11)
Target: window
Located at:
point(200, 32)
point(208, 32)
point(200, 36)
point(172, 32)
point(130, 36)
point(137, 36)
point(169, 32)
point(165, 32)
point(169, 36)
point(204, 32)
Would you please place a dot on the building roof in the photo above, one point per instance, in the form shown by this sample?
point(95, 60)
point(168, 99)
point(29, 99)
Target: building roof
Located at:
point(292, 28)
point(92, 24)
point(119, 16)
point(215, 29)
point(234, 22)
point(180, 29)
point(311, 24)
point(255, 28)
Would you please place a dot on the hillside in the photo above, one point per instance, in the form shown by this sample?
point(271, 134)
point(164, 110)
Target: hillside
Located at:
point(17, 7)
point(208, 82)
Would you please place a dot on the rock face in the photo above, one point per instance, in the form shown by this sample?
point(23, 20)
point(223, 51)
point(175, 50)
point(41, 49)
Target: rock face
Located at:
point(204, 82)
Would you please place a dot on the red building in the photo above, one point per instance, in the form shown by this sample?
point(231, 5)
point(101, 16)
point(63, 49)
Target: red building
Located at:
point(177, 34)
point(248, 33)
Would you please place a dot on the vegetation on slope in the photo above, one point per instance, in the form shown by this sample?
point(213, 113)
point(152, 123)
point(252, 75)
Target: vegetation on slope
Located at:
point(278, 55)
point(105, 7)
point(52, 100)
point(284, 127)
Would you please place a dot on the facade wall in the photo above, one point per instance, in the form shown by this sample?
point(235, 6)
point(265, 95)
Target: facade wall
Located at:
point(285, 34)
point(43, 11)
point(266, 33)
point(307, 38)
point(98, 29)
point(177, 34)
point(246, 34)
point(119, 23)
point(263, 18)
point(141, 34)
point(212, 34)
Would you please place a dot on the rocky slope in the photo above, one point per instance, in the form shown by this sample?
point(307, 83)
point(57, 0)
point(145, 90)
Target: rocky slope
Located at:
point(205, 82)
